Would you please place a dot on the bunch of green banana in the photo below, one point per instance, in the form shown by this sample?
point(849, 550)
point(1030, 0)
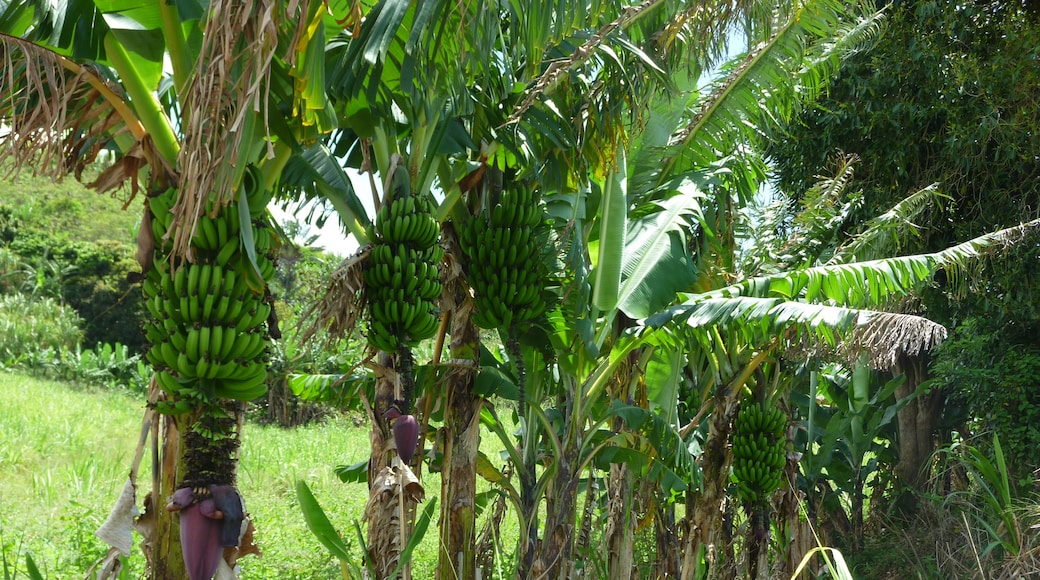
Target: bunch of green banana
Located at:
point(759, 450)
point(402, 280)
point(503, 250)
point(208, 334)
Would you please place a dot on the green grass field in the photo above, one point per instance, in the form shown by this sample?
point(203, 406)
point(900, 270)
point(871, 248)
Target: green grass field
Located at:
point(65, 453)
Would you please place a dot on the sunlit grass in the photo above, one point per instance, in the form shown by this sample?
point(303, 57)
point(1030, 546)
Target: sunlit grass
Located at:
point(65, 453)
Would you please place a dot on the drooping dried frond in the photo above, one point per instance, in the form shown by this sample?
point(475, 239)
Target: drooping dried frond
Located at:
point(227, 88)
point(887, 336)
point(884, 337)
point(338, 310)
point(58, 115)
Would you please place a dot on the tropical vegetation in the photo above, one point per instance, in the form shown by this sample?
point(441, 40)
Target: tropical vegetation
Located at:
point(565, 221)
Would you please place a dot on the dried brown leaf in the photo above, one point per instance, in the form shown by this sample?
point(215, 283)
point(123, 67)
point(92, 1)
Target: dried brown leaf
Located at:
point(58, 115)
point(230, 81)
point(337, 311)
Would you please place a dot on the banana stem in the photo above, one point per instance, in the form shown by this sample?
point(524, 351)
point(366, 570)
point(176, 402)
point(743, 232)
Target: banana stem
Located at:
point(406, 380)
point(521, 372)
point(176, 46)
point(148, 109)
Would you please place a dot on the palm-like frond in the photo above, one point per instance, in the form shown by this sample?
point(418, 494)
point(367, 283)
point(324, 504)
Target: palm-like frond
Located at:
point(757, 93)
point(785, 241)
point(883, 235)
point(581, 54)
point(58, 115)
point(823, 202)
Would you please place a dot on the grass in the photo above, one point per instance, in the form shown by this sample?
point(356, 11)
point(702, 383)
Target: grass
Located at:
point(65, 453)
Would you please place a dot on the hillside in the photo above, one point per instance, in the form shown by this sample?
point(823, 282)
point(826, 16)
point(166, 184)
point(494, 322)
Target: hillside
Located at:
point(70, 210)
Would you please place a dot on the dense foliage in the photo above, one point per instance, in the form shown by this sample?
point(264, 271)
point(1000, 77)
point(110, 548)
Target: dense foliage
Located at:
point(947, 97)
point(61, 241)
point(581, 192)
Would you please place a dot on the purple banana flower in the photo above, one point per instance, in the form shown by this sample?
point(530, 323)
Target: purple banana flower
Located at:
point(200, 542)
point(406, 433)
point(229, 504)
point(207, 526)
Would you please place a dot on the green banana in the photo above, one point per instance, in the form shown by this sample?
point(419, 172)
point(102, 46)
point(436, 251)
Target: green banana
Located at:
point(227, 251)
point(228, 338)
point(191, 348)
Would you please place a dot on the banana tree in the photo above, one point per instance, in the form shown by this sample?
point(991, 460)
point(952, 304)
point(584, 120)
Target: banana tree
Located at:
point(405, 63)
point(205, 141)
point(384, 74)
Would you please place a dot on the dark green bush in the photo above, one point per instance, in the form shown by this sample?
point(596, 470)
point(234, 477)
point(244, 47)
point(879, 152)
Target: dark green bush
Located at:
point(91, 277)
point(994, 368)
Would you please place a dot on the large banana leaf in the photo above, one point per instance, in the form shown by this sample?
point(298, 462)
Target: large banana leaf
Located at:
point(317, 172)
point(656, 264)
point(652, 447)
point(766, 305)
point(873, 281)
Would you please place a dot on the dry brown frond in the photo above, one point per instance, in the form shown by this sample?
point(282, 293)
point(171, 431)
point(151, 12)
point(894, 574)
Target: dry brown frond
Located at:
point(887, 336)
point(393, 489)
point(338, 310)
point(58, 115)
point(883, 336)
point(230, 82)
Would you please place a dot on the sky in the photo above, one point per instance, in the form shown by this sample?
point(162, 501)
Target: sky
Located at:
point(333, 237)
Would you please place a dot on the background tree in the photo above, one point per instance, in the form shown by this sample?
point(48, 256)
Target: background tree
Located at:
point(953, 106)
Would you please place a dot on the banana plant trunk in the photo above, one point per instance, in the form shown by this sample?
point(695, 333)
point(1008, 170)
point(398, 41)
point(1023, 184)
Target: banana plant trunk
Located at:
point(382, 512)
point(620, 522)
point(621, 486)
point(552, 557)
point(668, 560)
point(706, 514)
point(461, 436)
point(166, 561)
point(917, 422)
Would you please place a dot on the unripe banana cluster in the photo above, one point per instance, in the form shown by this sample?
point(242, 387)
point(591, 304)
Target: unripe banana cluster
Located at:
point(505, 268)
point(401, 277)
point(759, 450)
point(208, 335)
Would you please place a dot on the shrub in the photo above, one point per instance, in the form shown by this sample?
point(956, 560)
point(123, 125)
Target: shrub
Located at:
point(35, 332)
point(992, 369)
point(107, 365)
